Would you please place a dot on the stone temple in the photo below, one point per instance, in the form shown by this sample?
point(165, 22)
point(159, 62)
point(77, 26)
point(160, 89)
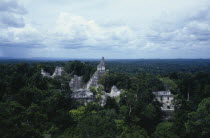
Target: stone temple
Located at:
point(82, 91)
point(84, 94)
point(45, 74)
point(58, 72)
point(93, 82)
point(114, 92)
point(166, 98)
point(76, 83)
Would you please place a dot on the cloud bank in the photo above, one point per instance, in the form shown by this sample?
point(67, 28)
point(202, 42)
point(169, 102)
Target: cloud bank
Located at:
point(182, 31)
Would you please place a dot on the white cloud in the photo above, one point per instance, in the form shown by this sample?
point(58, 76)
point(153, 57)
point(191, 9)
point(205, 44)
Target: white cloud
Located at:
point(27, 37)
point(133, 28)
point(11, 14)
point(70, 28)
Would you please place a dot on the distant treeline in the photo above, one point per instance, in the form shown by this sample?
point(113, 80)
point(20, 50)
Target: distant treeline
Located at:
point(160, 66)
point(134, 66)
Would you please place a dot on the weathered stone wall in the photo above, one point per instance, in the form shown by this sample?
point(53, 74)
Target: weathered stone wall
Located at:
point(76, 83)
point(166, 98)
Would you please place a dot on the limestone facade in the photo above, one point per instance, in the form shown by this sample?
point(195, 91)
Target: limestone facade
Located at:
point(82, 91)
point(44, 73)
point(93, 82)
point(166, 98)
point(58, 72)
point(114, 92)
point(85, 94)
point(76, 83)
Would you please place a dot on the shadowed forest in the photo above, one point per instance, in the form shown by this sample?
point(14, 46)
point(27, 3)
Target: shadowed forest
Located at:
point(36, 106)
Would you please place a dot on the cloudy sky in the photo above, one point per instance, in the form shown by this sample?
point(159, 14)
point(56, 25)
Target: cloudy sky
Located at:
point(110, 28)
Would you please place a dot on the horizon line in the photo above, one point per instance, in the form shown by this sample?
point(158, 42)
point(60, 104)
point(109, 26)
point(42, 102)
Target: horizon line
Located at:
point(65, 58)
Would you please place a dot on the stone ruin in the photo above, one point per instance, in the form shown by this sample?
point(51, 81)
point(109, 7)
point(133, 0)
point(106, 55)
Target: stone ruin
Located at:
point(82, 92)
point(166, 98)
point(114, 92)
point(59, 71)
point(45, 74)
point(93, 82)
point(76, 83)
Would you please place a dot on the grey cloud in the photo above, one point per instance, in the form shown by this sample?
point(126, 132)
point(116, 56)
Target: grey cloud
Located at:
point(81, 44)
point(201, 15)
point(17, 45)
point(77, 33)
point(194, 30)
point(11, 6)
point(11, 14)
point(15, 52)
point(11, 20)
point(76, 45)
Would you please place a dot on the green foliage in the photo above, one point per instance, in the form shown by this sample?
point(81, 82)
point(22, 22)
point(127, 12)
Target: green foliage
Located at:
point(97, 92)
point(34, 106)
point(169, 84)
point(93, 90)
point(120, 125)
point(134, 132)
point(27, 96)
point(165, 130)
point(97, 126)
point(159, 66)
point(77, 114)
point(198, 124)
point(17, 121)
point(80, 69)
point(38, 81)
point(111, 104)
point(122, 81)
point(100, 88)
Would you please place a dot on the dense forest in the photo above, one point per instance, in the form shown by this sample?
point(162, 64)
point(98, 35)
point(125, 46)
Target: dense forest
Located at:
point(36, 106)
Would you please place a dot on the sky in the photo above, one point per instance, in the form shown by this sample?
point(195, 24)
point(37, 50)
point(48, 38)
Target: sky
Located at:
point(120, 29)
